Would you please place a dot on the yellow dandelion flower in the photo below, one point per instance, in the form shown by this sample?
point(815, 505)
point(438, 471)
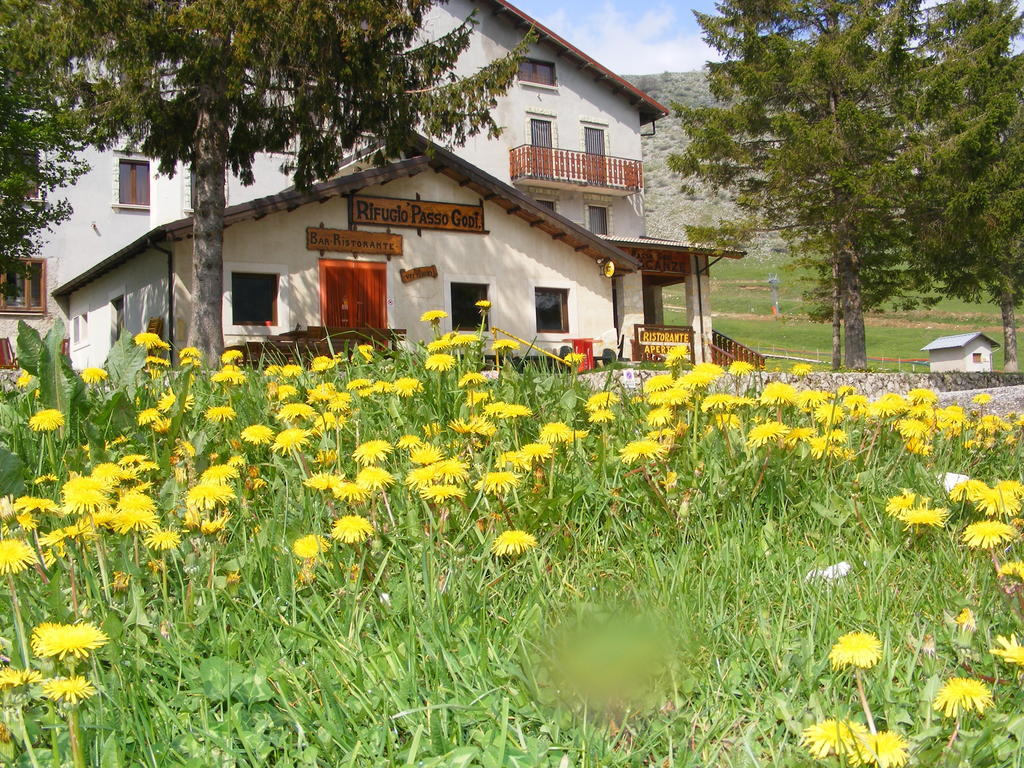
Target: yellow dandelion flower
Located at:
point(513, 543)
point(556, 432)
point(988, 534)
point(206, 496)
point(13, 678)
point(439, 361)
point(472, 379)
point(374, 478)
point(351, 492)
point(642, 450)
point(962, 694)
point(15, 556)
point(61, 640)
point(740, 368)
point(258, 434)
point(46, 420)
point(371, 452)
point(1011, 650)
point(801, 369)
point(296, 412)
point(163, 540)
point(966, 621)
point(292, 438)
point(601, 416)
point(769, 432)
point(441, 493)
point(407, 386)
point(923, 516)
point(84, 495)
point(219, 414)
point(150, 341)
point(884, 749)
point(778, 394)
point(1013, 568)
point(424, 453)
point(856, 649)
point(351, 529)
point(497, 483)
point(94, 375)
point(833, 737)
point(70, 690)
point(503, 346)
point(310, 547)
point(433, 316)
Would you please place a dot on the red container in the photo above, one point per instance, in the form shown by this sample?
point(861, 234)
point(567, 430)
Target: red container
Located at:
point(584, 347)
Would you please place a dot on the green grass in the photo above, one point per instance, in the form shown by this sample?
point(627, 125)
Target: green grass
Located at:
point(741, 308)
point(663, 618)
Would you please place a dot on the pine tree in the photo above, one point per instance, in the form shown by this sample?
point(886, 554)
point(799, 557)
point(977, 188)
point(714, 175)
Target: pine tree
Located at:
point(812, 133)
point(968, 215)
point(212, 83)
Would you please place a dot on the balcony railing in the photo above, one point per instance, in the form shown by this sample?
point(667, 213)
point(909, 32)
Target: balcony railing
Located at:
point(567, 166)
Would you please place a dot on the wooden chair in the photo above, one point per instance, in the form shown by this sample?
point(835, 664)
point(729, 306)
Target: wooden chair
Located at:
point(7, 358)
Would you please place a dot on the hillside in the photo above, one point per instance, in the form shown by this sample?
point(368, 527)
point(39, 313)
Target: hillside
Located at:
point(669, 209)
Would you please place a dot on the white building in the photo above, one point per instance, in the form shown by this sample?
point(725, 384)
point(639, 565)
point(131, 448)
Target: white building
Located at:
point(571, 141)
point(962, 352)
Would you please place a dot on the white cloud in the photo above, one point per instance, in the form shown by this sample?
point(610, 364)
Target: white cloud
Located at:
point(628, 43)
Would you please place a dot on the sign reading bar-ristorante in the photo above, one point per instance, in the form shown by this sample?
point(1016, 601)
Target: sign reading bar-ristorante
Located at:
point(420, 214)
point(350, 241)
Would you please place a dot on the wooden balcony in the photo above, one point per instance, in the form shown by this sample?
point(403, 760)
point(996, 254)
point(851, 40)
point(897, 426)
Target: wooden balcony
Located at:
point(568, 169)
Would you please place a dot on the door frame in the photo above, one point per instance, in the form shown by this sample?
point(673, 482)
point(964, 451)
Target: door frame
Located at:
point(325, 264)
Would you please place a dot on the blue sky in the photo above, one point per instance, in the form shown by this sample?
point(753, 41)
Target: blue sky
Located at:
point(627, 36)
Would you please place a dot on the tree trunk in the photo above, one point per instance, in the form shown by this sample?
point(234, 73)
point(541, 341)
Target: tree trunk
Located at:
point(853, 312)
point(206, 330)
point(837, 318)
point(1008, 308)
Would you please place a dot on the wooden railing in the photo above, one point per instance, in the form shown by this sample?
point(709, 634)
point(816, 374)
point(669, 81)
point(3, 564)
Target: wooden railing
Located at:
point(725, 351)
point(572, 167)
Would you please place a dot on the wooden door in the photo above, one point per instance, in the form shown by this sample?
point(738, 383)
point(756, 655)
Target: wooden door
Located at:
point(593, 144)
point(353, 294)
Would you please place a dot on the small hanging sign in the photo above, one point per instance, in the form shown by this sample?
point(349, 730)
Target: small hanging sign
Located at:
point(408, 275)
point(351, 241)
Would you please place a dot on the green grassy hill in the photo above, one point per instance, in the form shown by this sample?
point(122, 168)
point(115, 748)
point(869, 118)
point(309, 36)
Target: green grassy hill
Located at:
point(741, 297)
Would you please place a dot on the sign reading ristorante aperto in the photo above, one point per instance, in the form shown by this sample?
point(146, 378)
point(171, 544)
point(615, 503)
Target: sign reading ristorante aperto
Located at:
point(418, 214)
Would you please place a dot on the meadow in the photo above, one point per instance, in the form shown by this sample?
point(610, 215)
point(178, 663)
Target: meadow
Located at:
point(416, 558)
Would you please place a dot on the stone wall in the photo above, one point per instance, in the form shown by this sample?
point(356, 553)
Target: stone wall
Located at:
point(870, 384)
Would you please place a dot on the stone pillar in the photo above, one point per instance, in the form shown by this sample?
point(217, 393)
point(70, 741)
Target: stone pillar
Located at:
point(631, 308)
point(698, 307)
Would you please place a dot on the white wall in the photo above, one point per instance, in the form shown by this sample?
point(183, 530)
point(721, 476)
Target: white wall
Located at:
point(961, 358)
point(514, 259)
point(143, 283)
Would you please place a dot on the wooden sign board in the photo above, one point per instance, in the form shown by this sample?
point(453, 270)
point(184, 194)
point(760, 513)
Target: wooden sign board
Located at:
point(418, 214)
point(653, 342)
point(350, 241)
point(408, 275)
point(660, 261)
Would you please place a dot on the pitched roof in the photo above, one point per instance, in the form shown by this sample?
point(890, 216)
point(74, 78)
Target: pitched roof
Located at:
point(955, 341)
point(650, 109)
point(679, 246)
point(428, 157)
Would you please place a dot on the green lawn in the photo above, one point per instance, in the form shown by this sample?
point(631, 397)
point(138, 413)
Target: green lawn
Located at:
point(741, 307)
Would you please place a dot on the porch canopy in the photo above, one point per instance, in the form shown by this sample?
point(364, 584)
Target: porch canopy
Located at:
point(664, 263)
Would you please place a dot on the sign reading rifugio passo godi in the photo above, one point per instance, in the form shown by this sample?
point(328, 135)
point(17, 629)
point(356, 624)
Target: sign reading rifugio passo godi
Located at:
point(418, 214)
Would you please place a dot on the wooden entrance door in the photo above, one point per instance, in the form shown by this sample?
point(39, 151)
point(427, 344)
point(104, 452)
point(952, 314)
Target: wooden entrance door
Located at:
point(353, 294)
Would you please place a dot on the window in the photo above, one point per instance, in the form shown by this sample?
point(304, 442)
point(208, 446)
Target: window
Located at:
point(549, 204)
point(253, 298)
point(597, 219)
point(976, 357)
point(465, 314)
point(552, 309)
point(540, 133)
point(533, 71)
point(116, 318)
point(133, 182)
point(24, 291)
point(80, 328)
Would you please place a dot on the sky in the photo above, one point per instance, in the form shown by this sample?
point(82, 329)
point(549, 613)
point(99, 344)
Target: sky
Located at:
point(629, 37)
